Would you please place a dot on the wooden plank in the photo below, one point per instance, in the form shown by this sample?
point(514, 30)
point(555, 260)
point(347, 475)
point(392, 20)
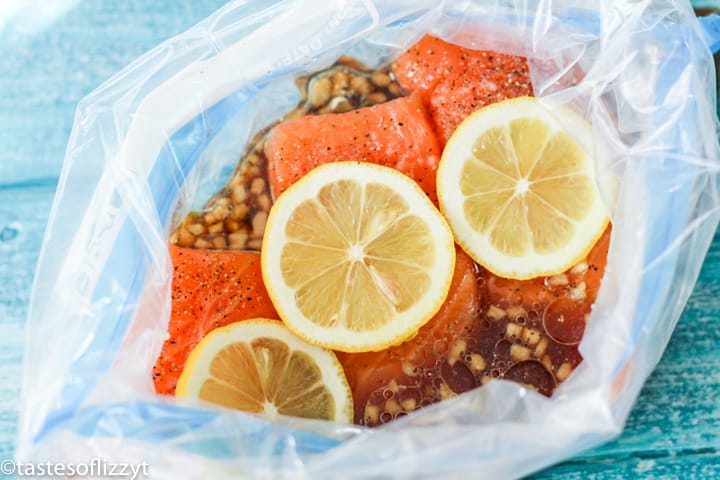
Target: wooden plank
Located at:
point(695, 465)
point(45, 75)
point(673, 432)
point(23, 215)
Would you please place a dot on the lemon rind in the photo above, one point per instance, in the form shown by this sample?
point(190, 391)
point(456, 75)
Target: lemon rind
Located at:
point(404, 325)
point(476, 245)
point(197, 366)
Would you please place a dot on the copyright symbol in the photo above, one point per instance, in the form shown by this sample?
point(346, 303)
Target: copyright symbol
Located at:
point(7, 467)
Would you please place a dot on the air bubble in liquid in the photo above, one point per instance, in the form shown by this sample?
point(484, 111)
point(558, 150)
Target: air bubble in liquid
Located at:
point(440, 347)
point(563, 321)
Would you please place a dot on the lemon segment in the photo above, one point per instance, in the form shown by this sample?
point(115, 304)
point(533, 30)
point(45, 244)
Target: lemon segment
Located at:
point(517, 182)
point(259, 366)
point(355, 257)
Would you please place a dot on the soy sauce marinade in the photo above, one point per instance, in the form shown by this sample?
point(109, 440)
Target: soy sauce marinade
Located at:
point(489, 328)
point(527, 331)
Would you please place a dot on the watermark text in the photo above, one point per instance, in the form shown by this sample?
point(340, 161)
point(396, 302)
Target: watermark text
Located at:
point(96, 467)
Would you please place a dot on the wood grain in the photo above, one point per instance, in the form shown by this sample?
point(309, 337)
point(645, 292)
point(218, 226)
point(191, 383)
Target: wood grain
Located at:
point(43, 76)
point(23, 215)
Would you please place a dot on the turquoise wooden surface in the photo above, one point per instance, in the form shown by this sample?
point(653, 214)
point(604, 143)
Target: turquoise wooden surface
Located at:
point(673, 431)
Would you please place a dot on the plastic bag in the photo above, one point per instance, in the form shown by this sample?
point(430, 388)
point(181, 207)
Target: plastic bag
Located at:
point(165, 131)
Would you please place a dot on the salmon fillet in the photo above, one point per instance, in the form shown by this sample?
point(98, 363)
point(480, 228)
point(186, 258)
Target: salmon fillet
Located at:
point(395, 134)
point(454, 81)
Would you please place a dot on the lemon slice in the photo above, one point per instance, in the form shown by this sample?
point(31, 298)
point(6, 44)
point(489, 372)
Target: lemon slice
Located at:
point(517, 184)
point(259, 366)
point(355, 257)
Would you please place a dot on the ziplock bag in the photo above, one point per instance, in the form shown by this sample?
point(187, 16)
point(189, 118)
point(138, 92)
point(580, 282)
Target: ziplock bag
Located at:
point(154, 141)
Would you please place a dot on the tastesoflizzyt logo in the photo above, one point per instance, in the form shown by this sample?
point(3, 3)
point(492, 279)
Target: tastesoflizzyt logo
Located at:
point(96, 468)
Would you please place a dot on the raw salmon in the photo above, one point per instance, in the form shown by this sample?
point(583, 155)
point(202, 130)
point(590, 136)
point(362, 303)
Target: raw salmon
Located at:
point(396, 134)
point(454, 81)
point(404, 364)
point(210, 289)
point(488, 328)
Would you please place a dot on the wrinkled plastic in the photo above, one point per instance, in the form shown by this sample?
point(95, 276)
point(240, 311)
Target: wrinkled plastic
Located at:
point(160, 136)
